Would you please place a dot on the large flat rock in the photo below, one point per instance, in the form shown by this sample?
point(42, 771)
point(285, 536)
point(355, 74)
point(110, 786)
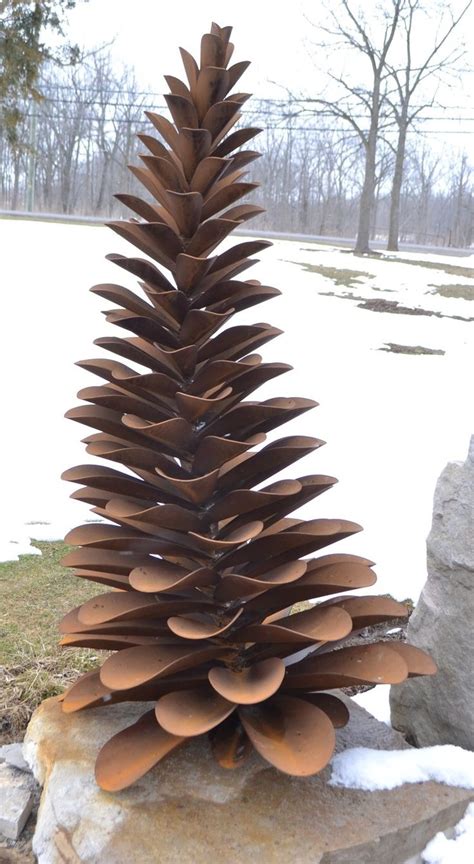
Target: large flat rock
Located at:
point(188, 810)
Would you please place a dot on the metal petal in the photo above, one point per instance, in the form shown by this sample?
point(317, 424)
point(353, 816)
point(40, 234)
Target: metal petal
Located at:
point(366, 611)
point(201, 626)
point(87, 692)
point(366, 664)
point(417, 660)
point(234, 585)
point(192, 712)
point(318, 624)
point(135, 666)
point(129, 755)
point(119, 606)
point(335, 708)
point(250, 685)
point(294, 736)
point(168, 577)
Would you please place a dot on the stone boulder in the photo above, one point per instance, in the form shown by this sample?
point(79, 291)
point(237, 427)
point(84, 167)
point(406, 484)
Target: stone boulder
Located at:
point(16, 801)
point(188, 810)
point(440, 709)
point(12, 754)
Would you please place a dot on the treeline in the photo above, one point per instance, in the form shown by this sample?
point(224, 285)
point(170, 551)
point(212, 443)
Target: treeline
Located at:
point(75, 146)
point(312, 181)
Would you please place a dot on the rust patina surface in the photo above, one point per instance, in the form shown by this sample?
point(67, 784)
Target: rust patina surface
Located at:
point(199, 559)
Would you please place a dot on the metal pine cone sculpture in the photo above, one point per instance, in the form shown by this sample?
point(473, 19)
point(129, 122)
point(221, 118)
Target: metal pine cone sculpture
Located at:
point(201, 567)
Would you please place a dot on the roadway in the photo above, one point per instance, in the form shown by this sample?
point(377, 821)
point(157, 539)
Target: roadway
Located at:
point(344, 242)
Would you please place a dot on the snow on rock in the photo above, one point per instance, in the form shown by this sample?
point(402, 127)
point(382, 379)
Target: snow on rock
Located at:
point(363, 768)
point(376, 702)
point(456, 850)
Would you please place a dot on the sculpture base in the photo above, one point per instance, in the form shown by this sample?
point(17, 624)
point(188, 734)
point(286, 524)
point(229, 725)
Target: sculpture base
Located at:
point(188, 810)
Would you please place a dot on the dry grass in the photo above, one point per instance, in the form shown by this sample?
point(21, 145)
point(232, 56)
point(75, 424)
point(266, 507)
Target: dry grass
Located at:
point(451, 269)
point(352, 275)
point(459, 292)
point(338, 275)
point(35, 592)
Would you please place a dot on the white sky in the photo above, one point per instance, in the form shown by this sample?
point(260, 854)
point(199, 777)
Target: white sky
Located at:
point(146, 35)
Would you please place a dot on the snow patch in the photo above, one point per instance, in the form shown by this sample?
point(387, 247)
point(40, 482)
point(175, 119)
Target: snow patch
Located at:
point(10, 550)
point(17, 538)
point(363, 768)
point(459, 849)
point(376, 702)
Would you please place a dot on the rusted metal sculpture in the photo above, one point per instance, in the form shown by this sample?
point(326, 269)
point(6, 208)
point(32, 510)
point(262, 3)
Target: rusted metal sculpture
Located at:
point(199, 565)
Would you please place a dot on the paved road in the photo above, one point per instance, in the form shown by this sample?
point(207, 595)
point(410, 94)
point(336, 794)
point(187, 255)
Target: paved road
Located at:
point(345, 242)
point(348, 242)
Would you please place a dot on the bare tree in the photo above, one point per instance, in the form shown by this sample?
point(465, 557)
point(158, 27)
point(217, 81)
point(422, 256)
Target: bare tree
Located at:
point(423, 173)
point(349, 28)
point(460, 233)
point(383, 169)
point(85, 132)
point(408, 80)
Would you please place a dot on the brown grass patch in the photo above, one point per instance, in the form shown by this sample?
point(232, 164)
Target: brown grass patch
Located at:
point(35, 592)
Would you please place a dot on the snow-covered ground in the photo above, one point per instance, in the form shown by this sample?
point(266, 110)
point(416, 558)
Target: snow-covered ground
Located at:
point(391, 421)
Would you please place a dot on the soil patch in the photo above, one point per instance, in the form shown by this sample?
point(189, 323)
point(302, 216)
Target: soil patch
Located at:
point(394, 348)
point(380, 305)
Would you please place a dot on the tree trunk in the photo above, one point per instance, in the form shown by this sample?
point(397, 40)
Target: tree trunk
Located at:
point(368, 189)
point(367, 196)
point(375, 208)
point(394, 222)
point(104, 174)
point(422, 212)
point(16, 184)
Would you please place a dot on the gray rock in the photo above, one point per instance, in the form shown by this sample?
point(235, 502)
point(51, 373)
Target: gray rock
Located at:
point(440, 709)
point(188, 810)
point(12, 754)
point(16, 800)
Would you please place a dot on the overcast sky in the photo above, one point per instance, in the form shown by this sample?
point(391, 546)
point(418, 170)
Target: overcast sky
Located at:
point(277, 38)
point(147, 35)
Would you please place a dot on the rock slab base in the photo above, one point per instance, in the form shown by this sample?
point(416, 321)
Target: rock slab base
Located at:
point(188, 810)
